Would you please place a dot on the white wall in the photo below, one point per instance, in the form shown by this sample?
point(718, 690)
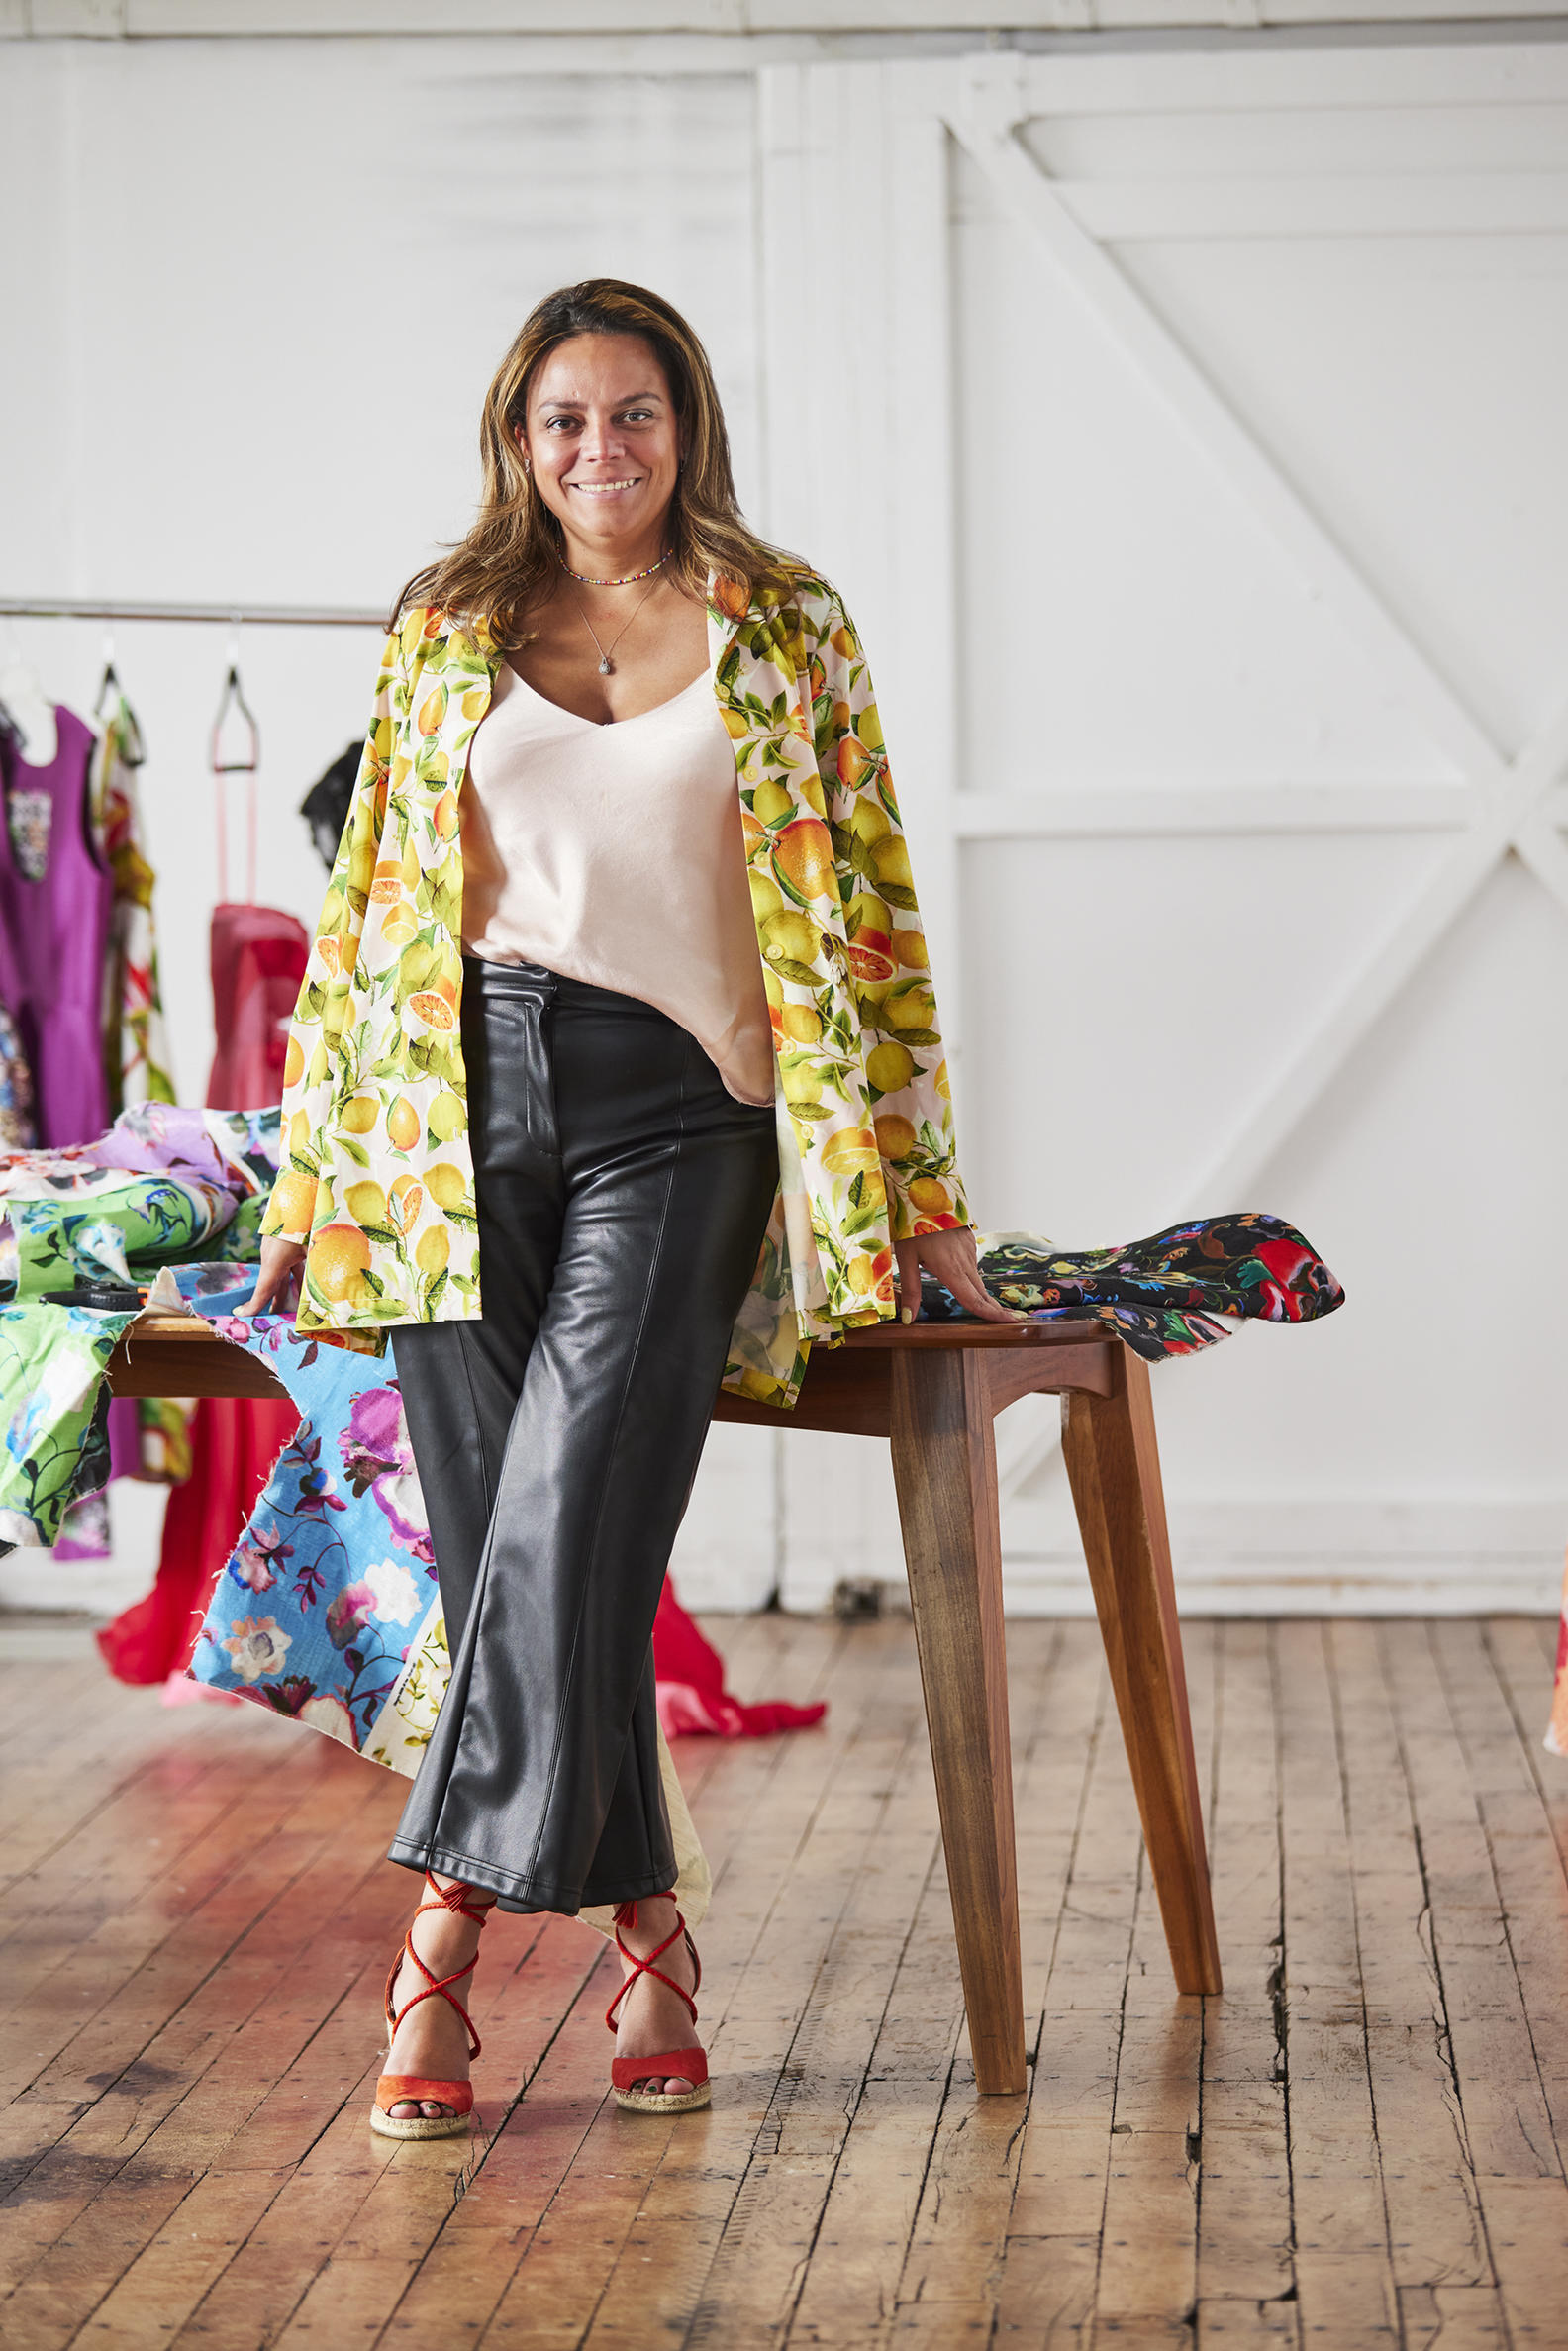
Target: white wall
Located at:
point(1221, 447)
point(1172, 785)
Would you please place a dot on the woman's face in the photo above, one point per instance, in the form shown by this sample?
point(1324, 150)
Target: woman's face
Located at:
point(601, 439)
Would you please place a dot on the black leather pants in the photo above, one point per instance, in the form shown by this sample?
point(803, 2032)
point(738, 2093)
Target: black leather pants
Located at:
point(622, 1194)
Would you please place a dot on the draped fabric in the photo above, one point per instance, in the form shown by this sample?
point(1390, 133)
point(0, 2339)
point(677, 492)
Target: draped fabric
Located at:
point(137, 1066)
point(235, 1440)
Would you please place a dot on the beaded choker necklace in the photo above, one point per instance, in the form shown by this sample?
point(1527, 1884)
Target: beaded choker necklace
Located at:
point(588, 581)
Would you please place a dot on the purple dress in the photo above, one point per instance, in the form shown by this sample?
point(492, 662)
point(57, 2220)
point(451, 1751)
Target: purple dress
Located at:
point(56, 896)
point(54, 932)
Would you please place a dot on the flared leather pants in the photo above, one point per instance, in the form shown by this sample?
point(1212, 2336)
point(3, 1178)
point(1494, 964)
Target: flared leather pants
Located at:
point(622, 1194)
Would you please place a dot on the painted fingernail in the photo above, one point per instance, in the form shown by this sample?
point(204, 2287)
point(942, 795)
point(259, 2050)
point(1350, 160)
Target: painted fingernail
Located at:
point(906, 1315)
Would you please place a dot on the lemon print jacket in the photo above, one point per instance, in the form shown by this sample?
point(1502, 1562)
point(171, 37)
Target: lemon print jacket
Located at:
point(377, 1177)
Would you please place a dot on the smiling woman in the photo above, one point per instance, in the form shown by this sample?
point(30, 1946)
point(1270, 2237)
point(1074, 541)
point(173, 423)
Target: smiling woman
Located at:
point(619, 1007)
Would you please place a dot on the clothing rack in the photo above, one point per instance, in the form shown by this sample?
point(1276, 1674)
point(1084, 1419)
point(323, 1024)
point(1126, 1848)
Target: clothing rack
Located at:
point(284, 615)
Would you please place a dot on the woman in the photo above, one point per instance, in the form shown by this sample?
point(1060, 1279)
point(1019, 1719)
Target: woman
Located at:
point(595, 1125)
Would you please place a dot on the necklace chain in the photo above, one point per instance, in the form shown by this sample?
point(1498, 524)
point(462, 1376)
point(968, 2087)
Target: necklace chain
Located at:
point(586, 579)
point(606, 665)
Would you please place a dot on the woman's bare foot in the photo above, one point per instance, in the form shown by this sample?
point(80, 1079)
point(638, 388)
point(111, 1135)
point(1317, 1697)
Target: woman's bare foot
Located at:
point(432, 2040)
point(653, 2020)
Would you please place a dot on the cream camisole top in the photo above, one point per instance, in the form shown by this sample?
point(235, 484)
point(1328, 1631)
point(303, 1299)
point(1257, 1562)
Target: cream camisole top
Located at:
point(615, 855)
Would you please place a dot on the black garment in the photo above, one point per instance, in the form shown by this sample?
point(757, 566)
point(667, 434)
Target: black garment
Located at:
point(623, 1196)
point(325, 806)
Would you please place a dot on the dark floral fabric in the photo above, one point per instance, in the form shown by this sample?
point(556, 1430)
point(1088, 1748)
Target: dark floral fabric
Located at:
point(1172, 1294)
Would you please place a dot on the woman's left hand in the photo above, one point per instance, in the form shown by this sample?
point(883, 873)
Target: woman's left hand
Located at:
point(950, 1257)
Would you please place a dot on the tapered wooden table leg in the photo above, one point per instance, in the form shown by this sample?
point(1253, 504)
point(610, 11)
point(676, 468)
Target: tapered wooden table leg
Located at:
point(1113, 1462)
point(944, 1466)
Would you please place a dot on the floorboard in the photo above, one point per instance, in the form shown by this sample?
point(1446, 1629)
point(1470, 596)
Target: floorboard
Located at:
point(1361, 2144)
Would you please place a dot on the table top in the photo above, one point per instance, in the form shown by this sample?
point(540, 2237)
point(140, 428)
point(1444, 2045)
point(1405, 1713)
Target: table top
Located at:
point(981, 1334)
point(880, 1334)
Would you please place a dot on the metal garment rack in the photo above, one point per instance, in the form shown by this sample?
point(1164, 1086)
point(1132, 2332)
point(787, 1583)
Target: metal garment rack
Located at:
point(227, 615)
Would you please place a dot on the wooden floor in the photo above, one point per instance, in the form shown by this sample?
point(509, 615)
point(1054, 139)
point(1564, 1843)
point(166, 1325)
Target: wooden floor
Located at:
point(1361, 2144)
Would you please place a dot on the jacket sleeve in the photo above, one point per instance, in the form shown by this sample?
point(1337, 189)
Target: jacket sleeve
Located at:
point(323, 1001)
point(911, 1102)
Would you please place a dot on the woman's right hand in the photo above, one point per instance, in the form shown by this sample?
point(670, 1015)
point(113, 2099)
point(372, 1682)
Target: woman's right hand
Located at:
point(277, 1277)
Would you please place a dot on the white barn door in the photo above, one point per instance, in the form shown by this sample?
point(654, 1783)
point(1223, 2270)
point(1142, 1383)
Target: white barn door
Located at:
point(1185, 432)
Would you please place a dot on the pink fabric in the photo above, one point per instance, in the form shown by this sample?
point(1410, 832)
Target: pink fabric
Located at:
point(690, 1686)
point(258, 958)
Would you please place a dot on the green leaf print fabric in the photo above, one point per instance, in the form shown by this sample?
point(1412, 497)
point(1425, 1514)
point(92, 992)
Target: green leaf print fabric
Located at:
point(53, 1360)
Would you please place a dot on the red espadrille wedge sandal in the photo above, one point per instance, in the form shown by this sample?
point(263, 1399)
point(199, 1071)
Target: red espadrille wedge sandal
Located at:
point(686, 2065)
point(393, 2090)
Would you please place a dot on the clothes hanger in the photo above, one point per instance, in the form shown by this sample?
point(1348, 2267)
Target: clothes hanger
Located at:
point(109, 683)
point(28, 708)
point(132, 750)
point(241, 755)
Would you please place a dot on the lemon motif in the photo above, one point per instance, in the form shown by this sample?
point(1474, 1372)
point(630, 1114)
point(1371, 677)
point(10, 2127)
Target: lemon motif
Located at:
point(802, 1023)
point(367, 1203)
point(890, 1068)
point(896, 1137)
point(447, 1118)
point(766, 896)
point(851, 1152)
point(789, 937)
point(403, 1125)
point(294, 1197)
point(447, 1185)
point(337, 1264)
point(432, 1251)
point(803, 859)
point(910, 1004)
point(928, 1196)
point(408, 1198)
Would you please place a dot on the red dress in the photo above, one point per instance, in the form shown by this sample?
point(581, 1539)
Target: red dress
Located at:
point(258, 958)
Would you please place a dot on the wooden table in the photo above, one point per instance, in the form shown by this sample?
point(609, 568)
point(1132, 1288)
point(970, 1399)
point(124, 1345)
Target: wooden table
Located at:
point(934, 1390)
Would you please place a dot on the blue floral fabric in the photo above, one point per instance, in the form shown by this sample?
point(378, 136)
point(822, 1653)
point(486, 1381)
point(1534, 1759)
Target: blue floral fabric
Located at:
point(327, 1590)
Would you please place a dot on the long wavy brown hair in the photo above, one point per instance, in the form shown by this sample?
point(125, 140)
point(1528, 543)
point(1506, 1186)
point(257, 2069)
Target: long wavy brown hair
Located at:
point(516, 542)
